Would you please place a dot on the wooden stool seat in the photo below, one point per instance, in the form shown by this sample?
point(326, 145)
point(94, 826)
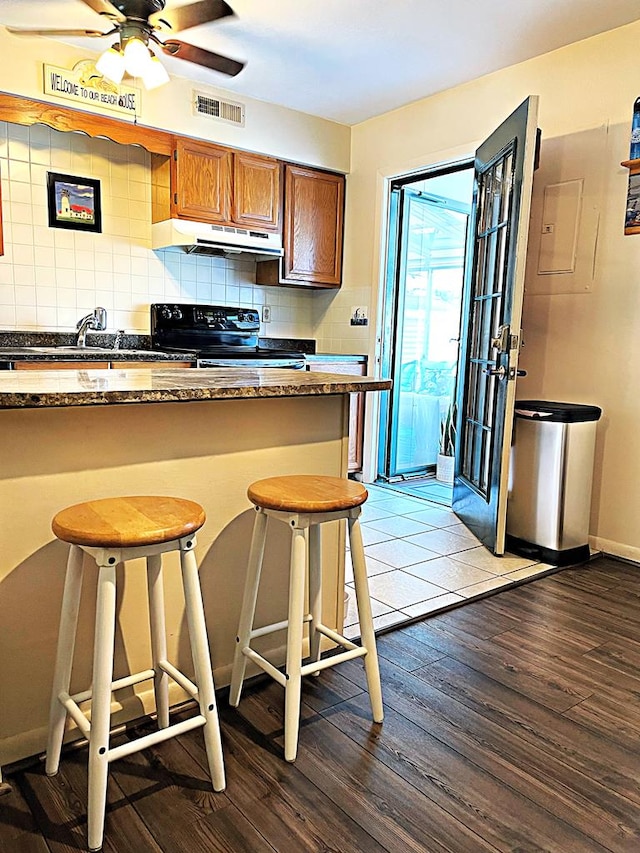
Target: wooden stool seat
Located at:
point(307, 493)
point(128, 522)
point(113, 531)
point(304, 503)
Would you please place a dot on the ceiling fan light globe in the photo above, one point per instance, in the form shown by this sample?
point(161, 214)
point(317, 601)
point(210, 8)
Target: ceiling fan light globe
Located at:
point(155, 75)
point(111, 65)
point(136, 57)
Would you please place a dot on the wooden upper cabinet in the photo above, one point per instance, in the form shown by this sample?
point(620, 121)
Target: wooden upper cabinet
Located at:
point(256, 191)
point(210, 183)
point(201, 176)
point(314, 210)
point(312, 231)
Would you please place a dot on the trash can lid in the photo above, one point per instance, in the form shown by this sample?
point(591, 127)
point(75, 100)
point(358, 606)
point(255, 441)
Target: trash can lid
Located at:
point(547, 410)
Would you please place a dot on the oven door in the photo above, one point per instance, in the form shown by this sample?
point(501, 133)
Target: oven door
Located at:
point(239, 361)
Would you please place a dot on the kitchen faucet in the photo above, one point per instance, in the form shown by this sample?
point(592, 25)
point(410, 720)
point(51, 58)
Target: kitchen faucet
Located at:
point(96, 321)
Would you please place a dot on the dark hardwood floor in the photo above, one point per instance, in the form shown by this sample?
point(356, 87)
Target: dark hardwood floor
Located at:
point(512, 724)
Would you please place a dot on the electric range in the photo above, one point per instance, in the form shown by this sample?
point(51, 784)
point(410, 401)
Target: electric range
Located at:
point(218, 335)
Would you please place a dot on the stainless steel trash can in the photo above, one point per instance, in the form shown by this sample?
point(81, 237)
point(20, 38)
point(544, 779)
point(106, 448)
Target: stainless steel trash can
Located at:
point(550, 481)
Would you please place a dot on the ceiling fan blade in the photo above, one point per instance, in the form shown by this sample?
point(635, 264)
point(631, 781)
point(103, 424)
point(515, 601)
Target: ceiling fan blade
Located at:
point(80, 33)
point(108, 10)
point(191, 53)
point(183, 17)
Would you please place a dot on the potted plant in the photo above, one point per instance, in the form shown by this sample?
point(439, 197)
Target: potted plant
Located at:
point(445, 463)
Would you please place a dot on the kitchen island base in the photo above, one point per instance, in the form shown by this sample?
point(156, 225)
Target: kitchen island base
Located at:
point(206, 451)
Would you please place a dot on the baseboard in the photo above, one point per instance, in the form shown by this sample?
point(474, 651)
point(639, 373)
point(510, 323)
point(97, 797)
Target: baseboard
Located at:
point(616, 549)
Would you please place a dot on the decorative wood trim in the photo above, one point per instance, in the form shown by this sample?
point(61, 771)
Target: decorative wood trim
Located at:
point(19, 110)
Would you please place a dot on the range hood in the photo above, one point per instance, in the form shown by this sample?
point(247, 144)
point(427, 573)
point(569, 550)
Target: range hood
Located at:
point(202, 238)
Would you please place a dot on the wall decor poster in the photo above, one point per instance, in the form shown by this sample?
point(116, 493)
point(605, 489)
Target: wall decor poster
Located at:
point(74, 202)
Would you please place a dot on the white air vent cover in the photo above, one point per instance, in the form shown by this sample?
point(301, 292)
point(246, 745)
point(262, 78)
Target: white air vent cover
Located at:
point(206, 105)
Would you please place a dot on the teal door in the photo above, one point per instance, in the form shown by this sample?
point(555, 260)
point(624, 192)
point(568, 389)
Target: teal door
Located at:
point(491, 318)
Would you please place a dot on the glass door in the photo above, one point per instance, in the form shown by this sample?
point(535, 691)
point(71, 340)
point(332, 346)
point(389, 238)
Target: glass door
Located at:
point(504, 168)
point(428, 230)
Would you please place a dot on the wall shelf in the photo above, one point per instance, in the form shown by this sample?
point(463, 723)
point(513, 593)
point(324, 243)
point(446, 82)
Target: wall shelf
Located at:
point(632, 215)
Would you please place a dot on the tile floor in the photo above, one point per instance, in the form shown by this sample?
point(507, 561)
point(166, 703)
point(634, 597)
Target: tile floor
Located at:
point(424, 487)
point(421, 558)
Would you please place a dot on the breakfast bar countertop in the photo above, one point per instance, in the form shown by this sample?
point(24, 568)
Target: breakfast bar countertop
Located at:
point(60, 388)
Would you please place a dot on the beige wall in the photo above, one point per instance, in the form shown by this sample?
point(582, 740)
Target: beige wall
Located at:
point(581, 346)
point(269, 129)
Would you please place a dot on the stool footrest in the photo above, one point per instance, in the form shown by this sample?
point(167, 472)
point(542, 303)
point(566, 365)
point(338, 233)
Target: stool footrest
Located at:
point(155, 737)
point(127, 681)
point(71, 703)
point(275, 626)
point(325, 663)
point(264, 664)
point(71, 707)
point(179, 677)
point(337, 638)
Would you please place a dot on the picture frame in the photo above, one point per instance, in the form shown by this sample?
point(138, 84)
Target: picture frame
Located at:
point(74, 202)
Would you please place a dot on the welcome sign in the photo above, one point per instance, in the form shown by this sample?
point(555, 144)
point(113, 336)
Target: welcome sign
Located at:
point(86, 86)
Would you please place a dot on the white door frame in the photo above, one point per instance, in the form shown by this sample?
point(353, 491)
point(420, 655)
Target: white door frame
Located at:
point(449, 158)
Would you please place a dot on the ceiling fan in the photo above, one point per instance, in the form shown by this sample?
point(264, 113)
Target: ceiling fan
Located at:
point(135, 23)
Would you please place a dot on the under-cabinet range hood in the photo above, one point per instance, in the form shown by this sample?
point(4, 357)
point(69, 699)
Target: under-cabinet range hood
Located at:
point(203, 238)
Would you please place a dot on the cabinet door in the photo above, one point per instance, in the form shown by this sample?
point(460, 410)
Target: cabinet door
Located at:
point(148, 365)
point(60, 365)
point(256, 191)
point(356, 407)
point(201, 181)
point(314, 210)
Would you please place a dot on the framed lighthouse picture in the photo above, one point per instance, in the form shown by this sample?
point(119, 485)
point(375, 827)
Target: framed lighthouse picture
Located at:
point(74, 202)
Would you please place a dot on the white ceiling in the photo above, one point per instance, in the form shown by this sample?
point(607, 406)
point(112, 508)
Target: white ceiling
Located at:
point(349, 60)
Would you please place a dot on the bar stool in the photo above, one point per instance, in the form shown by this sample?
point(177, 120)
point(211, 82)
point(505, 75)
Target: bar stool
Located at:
point(304, 502)
point(112, 531)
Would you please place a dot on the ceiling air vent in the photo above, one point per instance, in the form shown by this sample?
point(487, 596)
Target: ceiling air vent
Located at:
point(205, 105)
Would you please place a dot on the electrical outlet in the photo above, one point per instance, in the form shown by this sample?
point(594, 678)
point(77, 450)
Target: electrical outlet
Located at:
point(266, 313)
point(359, 315)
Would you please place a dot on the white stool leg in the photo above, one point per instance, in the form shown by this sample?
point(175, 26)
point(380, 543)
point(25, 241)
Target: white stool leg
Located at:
point(315, 591)
point(366, 619)
point(202, 664)
point(101, 703)
point(248, 610)
point(64, 656)
point(158, 637)
point(294, 643)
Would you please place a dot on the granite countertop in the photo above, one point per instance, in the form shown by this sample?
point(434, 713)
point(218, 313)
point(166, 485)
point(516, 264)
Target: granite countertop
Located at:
point(53, 354)
point(11, 354)
point(52, 388)
point(59, 346)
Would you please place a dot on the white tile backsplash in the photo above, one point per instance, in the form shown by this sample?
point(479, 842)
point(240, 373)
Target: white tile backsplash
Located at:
point(49, 277)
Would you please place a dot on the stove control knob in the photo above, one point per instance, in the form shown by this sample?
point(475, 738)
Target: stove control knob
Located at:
point(165, 312)
point(177, 314)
